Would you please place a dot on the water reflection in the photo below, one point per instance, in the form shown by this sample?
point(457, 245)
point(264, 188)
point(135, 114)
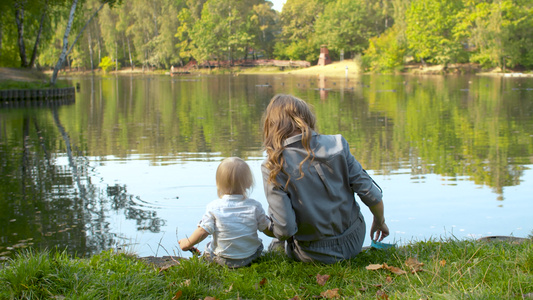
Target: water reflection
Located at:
point(134, 157)
point(47, 194)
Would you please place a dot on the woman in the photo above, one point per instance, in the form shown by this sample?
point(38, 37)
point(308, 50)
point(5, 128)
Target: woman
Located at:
point(310, 181)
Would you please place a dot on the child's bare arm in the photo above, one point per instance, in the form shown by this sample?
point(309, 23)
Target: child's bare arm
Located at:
point(197, 236)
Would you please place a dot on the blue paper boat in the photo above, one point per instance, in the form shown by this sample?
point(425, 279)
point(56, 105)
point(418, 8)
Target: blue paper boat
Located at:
point(380, 245)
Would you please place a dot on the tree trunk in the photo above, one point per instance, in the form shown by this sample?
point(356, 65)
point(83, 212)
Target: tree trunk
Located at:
point(1, 37)
point(19, 19)
point(90, 49)
point(129, 52)
point(116, 55)
point(64, 51)
point(37, 39)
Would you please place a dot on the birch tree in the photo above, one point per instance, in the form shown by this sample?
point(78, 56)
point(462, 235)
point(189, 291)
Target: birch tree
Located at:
point(65, 50)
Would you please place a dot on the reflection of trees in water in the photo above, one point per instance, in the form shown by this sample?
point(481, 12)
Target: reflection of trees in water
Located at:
point(49, 202)
point(475, 130)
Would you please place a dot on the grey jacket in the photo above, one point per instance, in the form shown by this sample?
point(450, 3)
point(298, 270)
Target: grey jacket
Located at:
point(321, 205)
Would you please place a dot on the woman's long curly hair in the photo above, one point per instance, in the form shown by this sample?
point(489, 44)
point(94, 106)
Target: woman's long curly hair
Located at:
point(284, 117)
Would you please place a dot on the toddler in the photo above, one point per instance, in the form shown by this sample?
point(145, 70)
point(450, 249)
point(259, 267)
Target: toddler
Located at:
point(233, 220)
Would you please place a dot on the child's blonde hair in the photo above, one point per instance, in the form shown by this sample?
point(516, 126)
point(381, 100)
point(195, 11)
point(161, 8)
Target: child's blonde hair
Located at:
point(234, 177)
point(284, 116)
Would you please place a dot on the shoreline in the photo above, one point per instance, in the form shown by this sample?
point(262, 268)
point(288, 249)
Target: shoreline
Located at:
point(346, 68)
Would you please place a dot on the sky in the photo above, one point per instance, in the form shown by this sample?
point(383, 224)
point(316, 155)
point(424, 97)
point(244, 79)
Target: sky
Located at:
point(278, 4)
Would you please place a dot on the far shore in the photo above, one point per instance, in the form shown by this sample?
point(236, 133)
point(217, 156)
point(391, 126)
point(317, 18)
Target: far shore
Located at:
point(346, 68)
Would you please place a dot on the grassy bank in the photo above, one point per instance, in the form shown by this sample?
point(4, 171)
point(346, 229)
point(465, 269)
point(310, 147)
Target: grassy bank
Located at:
point(25, 79)
point(424, 270)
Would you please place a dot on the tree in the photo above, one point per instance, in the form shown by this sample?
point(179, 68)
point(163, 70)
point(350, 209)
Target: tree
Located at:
point(30, 17)
point(385, 52)
point(298, 26)
point(225, 30)
point(265, 22)
point(348, 25)
point(430, 25)
point(498, 32)
point(65, 49)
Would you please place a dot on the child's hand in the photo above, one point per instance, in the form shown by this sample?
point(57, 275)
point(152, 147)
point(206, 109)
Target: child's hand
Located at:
point(185, 244)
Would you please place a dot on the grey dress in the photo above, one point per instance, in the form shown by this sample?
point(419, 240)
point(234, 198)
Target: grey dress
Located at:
point(318, 215)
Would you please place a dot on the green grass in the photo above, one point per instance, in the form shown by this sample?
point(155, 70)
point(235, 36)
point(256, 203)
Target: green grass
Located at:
point(28, 85)
point(452, 270)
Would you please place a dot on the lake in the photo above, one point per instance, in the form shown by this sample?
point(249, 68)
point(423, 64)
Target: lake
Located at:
point(131, 164)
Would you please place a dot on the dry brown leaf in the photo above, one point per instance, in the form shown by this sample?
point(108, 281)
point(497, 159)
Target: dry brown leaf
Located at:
point(331, 294)
point(164, 268)
point(322, 279)
point(373, 267)
point(442, 263)
point(396, 270)
point(388, 279)
point(381, 294)
point(210, 298)
point(262, 282)
point(177, 296)
point(413, 263)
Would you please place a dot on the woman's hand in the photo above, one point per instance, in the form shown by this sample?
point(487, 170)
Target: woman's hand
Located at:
point(379, 230)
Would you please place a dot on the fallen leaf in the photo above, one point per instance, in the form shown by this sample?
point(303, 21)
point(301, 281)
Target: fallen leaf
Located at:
point(321, 279)
point(388, 279)
point(373, 267)
point(262, 282)
point(164, 268)
point(229, 289)
point(442, 263)
point(412, 262)
point(177, 296)
point(331, 294)
point(210, 298)
point(381, 294)
point(396, 270)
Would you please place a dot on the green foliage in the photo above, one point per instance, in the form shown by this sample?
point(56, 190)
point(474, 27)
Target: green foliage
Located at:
point(106, 63)
point(161, 33)
point(348, 25)
point(297, 40)
point(298, 50)
point(430, 24)
point(499, 32)
point(386, 52)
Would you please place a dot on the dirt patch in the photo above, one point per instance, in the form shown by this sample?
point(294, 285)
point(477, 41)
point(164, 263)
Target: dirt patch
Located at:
point(335, 69)
point(163, 262)
point(21, 75)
